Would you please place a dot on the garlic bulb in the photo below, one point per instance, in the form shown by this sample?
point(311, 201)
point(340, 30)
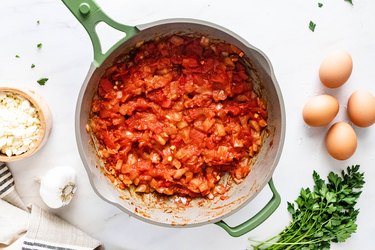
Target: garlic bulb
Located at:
point(57, 187)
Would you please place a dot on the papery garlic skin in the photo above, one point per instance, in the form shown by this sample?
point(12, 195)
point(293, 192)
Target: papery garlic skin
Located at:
point(57, 187)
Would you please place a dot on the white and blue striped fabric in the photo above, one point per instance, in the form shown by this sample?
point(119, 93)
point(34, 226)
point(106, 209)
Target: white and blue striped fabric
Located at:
point(6, 180)
point(38, 230)
point(7, 190)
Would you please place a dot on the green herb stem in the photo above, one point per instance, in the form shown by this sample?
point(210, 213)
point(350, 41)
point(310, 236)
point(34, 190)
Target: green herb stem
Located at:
point(324, 215)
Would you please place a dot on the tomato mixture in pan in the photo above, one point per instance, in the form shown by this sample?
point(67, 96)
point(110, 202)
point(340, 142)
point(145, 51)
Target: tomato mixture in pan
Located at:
point(175, 115)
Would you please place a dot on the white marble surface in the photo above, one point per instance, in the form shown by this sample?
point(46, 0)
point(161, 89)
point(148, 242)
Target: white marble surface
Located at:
point(279, 28)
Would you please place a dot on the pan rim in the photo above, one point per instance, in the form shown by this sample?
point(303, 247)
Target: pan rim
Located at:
point(279, 149)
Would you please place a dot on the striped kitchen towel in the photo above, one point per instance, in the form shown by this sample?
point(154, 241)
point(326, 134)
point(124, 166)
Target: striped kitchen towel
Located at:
point(35, 230)
point(47, 231)
point(7, 190)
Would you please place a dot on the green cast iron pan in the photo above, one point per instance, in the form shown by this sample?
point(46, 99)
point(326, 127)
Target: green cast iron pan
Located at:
point(166, 212)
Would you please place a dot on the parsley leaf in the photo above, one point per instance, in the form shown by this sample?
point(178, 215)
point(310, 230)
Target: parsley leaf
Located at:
point(320, 5)
point(39, 45)
point(17, 56)
point(312, 26)
point(32, 65)
point(349, 1)
point(322, 216)
point(42, 81)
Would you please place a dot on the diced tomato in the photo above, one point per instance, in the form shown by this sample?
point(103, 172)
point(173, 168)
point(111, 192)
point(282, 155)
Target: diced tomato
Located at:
point(108, 141)
point(197, 137)
point(105, 113)
point(160, 98)
point(175, 114)
point(105, 86)
point(234, 110)
point(189, 63)
point(194, 48)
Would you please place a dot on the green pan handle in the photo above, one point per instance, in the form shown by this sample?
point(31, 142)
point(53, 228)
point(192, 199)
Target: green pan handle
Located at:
point(89, 14)
point(257, 219)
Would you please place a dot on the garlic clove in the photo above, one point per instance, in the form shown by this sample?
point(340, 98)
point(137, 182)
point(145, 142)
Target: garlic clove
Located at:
point(58, 186)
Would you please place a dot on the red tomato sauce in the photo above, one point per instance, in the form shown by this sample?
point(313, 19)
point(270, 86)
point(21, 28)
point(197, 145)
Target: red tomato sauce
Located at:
point(175, 115)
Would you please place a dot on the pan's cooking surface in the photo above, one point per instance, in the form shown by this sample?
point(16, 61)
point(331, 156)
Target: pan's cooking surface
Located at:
point(175, 114)
point(195, 214)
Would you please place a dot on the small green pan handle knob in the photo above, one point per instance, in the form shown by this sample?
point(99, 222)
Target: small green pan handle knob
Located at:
point(89, 15)
point(257, 219)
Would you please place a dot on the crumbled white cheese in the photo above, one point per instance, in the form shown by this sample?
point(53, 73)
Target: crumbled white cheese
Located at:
point(19, 124)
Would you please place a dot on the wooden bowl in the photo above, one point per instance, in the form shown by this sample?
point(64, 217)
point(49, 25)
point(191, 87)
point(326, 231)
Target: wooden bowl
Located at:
point(45, 118)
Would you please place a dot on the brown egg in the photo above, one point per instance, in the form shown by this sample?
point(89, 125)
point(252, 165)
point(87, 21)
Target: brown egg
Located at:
point(320, 110)
point(335, 69)
point(341, 141)
point(361, 108)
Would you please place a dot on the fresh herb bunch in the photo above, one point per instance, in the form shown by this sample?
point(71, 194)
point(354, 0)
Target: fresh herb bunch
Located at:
point(324, 215)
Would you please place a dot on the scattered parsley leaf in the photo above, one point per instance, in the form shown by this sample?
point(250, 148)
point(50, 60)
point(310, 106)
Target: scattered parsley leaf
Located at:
point(39, 45)
point(32, 65)
point(320, 5)
point(17, 56)
point(323, 215)
point(42, 81)
point(38, 22)
point(312, 26)
point(349, 1)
